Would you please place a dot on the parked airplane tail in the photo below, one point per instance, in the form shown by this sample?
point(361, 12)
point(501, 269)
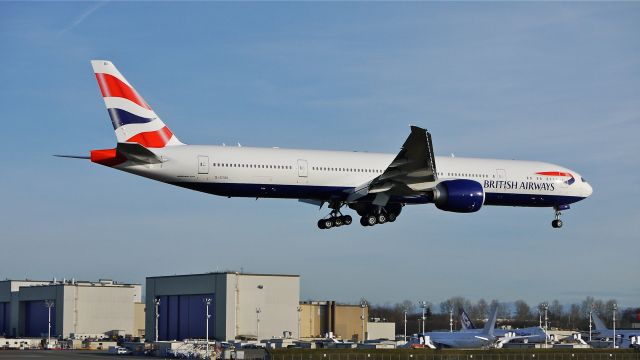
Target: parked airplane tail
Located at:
point(133, 119)
point(465, 320)
point(597, 322)
point(490, 326)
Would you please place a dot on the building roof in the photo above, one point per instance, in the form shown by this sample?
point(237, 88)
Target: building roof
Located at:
point(221, 273)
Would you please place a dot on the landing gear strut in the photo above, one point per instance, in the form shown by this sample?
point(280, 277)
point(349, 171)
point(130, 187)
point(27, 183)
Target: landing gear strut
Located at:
point(557, 223)
point(335, 219)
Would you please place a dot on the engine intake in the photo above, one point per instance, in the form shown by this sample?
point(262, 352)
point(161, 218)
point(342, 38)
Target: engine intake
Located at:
point(461, 196)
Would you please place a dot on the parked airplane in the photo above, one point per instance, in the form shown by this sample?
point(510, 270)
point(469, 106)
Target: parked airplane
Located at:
point(484, 337)
point(376, 186)
point(624, 337)
point(533, 334)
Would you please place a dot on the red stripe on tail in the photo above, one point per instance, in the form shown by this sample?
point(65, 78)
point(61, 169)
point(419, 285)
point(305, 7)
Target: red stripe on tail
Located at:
point(153, 139)
point(111, 86)
point(554, 173)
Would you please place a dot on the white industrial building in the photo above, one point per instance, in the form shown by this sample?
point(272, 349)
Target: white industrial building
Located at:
point(241, 306)
point(77, 307)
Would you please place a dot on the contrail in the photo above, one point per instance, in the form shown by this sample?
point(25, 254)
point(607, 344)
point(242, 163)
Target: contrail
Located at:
point(82, 17)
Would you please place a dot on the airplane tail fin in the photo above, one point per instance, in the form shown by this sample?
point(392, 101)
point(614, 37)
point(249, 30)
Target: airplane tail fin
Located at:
point(465, 320)
point(133, 119)
point(490, 326)
point(597, 322)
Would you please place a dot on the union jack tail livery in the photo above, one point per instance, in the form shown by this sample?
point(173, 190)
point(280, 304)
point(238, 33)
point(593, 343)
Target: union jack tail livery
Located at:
point(133, 119)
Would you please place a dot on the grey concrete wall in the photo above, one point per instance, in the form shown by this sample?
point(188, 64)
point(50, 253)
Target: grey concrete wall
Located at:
point(82, 309)
point(277, 297)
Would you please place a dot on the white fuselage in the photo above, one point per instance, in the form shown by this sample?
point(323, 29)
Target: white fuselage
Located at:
point(331, 175)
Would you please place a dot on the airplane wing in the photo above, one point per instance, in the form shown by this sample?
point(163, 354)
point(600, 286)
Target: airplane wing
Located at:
point(411, 172)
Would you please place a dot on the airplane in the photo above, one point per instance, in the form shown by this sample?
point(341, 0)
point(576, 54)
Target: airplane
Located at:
point(624, 337)
point(484, 337)
point(533, 334)
point(377, 186)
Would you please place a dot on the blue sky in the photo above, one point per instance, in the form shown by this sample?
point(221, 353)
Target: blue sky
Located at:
point(557, 82)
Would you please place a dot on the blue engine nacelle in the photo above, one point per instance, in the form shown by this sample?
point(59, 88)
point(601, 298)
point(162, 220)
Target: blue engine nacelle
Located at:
point(462, 196)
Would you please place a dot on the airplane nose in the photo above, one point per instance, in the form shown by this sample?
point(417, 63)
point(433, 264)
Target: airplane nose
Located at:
point(588, 189)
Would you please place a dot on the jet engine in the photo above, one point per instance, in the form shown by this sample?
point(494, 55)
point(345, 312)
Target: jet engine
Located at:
point(461, 196)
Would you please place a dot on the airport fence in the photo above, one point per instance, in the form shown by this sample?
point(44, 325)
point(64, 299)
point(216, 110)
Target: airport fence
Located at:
point(520, 354)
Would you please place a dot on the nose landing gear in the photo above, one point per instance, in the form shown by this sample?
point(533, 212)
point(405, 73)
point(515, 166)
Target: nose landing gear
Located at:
point(557, 223)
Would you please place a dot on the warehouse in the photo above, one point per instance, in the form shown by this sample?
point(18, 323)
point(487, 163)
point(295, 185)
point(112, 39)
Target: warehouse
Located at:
point(76, 307)
point(344, 321)
point(242, 306)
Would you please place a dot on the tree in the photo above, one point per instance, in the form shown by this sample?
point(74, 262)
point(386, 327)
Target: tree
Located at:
point(480, 310)
point(555, 310)
point(574, 316)
point(503, 309)
point(523, 311)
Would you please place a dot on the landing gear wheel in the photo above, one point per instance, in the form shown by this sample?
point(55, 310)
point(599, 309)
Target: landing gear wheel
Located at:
point(556, 224)
point(363, 221)
point(321, 224)
point(347, 219)
point(327, 223)
point(338, 221)
point(371, 220)
point(391, 217)
point(382, 218)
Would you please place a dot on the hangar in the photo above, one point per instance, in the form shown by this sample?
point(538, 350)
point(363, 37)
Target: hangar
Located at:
point(241, 305)
point(77, 308)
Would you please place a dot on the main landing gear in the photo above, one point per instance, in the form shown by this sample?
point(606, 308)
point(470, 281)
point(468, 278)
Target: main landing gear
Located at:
point(557, 223)
point(380, 218)
point(373, 215)
point(335, 219)
point(370, 215)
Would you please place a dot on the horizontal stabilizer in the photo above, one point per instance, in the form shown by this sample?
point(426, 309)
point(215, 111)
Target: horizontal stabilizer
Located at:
point(137, 153)
point(73, 157)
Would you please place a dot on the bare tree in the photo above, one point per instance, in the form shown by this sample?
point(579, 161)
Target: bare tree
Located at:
point(574, 316)
point(503, 310)
point(555, 310)
point(479, 311)
point(523, 311)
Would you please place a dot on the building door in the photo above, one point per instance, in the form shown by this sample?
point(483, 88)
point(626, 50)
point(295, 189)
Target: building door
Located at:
point(203, 164)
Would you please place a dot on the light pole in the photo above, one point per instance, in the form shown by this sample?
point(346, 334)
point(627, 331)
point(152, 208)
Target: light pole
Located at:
point(540, 316)
point(258, 311)
point(590, 322)
point(545, 306)
point(423, 305)
point(363, 305)
point(450, 318)
point(615, 309)
point(405, 325)
point(49, 304)
point(207, 302)
point(156, 301)
point(299, 311)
